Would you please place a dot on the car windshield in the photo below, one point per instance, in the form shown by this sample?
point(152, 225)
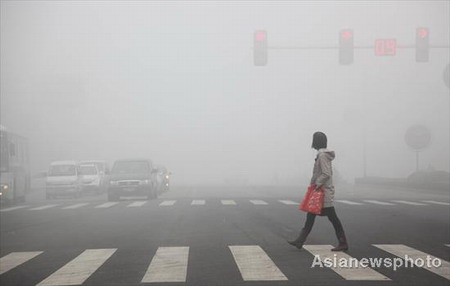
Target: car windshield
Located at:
point(88, 170)
point(62, 170)
point(130, 167)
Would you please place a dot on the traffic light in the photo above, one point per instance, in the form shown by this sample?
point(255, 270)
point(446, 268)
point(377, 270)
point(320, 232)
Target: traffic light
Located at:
point(260, 48)
point(346, 47)
point(422, 45)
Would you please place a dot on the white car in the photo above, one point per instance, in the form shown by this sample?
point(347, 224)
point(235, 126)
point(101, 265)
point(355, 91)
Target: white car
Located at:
point(90, 178)
point(63, 179)
point(103, 171)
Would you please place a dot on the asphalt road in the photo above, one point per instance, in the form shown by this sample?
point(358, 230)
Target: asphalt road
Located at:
point(221, 236)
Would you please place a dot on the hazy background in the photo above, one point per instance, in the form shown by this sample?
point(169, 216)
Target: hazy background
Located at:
point(175, 82)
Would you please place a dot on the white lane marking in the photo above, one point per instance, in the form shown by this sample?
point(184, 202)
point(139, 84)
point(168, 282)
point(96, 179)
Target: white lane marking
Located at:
point(136, 204)
point(286, 202)
point(198, 203)
point(348, 202)
point(79, 269)
point(322, 252)
point(106, 205)
point(13, 208)
point(15, 259)
point(437, 203)
point(75, 206)
point(259, 202)
point(42, 208)
point(401, 251)
point(228, 202)
point(254, 264)
point(168, 265)
point(167, 203)
point(410, 203)
point(448, 245)
point(379, 203)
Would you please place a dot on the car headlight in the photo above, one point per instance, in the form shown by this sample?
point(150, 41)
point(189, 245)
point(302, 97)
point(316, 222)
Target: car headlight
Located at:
point(167, 176)
point(145, 182)
point(5, 187)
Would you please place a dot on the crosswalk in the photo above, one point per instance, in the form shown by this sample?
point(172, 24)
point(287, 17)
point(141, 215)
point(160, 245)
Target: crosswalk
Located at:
point(79, 269)
point(223, 202)
point(253, 262)
point(168, 265)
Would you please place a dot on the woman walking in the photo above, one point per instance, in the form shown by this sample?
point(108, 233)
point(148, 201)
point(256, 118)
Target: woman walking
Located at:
point(323, 179)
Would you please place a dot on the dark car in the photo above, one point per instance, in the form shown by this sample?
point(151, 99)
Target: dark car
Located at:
point(132, 177)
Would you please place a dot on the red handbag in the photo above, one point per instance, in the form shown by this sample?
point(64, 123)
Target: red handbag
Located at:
point(313, 201)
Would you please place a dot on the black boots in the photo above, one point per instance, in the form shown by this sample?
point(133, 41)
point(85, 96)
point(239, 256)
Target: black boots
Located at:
point(300, 239)
point(343, 246)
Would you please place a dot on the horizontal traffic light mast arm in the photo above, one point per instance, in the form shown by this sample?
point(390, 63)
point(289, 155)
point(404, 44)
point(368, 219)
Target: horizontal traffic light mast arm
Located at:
point(354, 47)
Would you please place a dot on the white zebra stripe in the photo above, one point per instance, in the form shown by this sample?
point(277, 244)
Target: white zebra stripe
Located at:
point(401, 251)
point(379, 203)
point(168, 265)
point(43, 207)
point(410, 203)
point(106, 205)
point(137, 204)
point(254, 264)
point(259, 202)
point(15, 259)
point(198, 203)
point(228, 202)
point(349, 202)
point(287, 202)
point(437, 203)
point(75, 206)
point(322, 252)
point(167, 203)
point(79, 269)
point(12, 208)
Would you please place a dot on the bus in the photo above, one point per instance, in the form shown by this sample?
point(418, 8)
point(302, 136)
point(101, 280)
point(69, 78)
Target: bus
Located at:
point(14, 167)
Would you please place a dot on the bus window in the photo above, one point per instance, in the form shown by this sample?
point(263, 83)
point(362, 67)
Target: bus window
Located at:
point(4, 156)
point(12, 149)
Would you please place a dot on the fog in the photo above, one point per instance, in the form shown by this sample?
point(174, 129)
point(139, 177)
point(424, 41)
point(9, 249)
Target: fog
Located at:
point(175, 82)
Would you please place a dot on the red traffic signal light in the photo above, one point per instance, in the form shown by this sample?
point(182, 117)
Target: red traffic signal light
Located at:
point(422, 45)
point(260, 48)
point(346, 46)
